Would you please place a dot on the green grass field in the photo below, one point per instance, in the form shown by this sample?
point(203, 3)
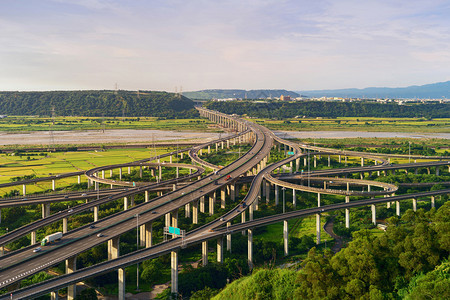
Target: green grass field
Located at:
point(33, 123)
point(359, 124)
point(63, 162)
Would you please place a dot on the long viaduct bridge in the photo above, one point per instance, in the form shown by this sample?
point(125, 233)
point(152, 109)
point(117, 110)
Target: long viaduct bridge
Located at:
point(193, 196)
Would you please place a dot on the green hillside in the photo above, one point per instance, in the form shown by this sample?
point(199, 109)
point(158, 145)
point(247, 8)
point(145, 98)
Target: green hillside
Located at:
point(283, 109)
point(243, 94)
point(97, 103)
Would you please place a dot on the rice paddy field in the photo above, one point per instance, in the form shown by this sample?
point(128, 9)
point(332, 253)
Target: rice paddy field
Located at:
point(50, 163)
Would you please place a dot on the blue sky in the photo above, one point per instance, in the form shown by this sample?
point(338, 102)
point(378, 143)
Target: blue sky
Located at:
point(268, 44)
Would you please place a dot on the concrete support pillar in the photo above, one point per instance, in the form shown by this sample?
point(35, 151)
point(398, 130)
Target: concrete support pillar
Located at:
point(243, 220)
point(414, 204)
point(250, 248)
point(120, 173)
point(294, 199)
point(45, 210)
point(79, 179)
point(53, 185)
point(222, 197)
point(187, 210)
point(374, 214)
point(250, 212)
point(212, 201)
point(347, 213)
point(204, 253)
point(286, 237)
point(64, 225)
point(146, 196)
point(329, 161)
point(174, 272)
point(140, 171)
point(315, 161)
point(129, 170)
point(195, 212)
point(33, 237)
point(96, 213)
point(103, 174)
point(54, 295)
point(229, 238)
point(167, 219)
point(202, 204)
point(174, 215)
point(362, 161)
point(148, 227)
point(433, 201)
point(339, 158)
point(318, 229)
point(397, 208)
point(233, 191)
point(125, 203)
point(71, 266)
point(220, 250)
point(267, 192)
point(276, 194)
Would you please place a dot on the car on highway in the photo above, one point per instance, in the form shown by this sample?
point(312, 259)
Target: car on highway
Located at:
point(154, 212)
point(222, 219)
point(92, 226)
point(37, 249)
point(100, 234)
point(70, 210)
point(82, 195)
point(66, 196)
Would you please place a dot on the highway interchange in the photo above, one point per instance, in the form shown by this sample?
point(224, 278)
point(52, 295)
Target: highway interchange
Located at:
point(20, 264)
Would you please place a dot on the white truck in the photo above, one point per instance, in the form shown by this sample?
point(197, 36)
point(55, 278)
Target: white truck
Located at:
point(51, 238)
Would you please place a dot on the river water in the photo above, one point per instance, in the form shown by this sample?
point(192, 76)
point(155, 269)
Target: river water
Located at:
point(147, 136)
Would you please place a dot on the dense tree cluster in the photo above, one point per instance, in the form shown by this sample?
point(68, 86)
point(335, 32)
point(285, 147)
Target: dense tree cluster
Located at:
point(408, 261)
point(97, 103)
point(280, 109)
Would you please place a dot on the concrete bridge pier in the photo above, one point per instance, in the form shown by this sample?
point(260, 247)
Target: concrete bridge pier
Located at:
point(220, 250)
point(195, 212)
point(204, 253)
point(125, 203)
point(233, 191)
point(433, 201)
point(53, 185)
point(222, 197)
point(96, 213)
point(347, 213)
point(277, 194)
point(202, 204)
point(243, 220)
point(45, 210)
point(187, 210)
point(267, 192)
point(294, 199)
point(71, 266)
point(167, 219)
point(318, 229)
point(146, 196)
point(286, 237)
point(54, 295)
point(174, 216)
point(397, 208)
point(212, 201)
point(148, 229)
point(315, 161)
point(120, 173)
point(24, 189)
point(229, 238)
point(250, 248)
point(374, 214)
point(414, 204)
point(33, 237)
point(174, 272)
point(64, 230)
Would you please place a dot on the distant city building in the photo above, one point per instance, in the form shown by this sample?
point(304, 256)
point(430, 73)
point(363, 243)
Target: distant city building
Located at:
point(285, 98)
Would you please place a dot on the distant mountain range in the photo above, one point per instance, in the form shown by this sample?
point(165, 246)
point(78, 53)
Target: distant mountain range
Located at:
point(244, 94)
point(434, 90)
